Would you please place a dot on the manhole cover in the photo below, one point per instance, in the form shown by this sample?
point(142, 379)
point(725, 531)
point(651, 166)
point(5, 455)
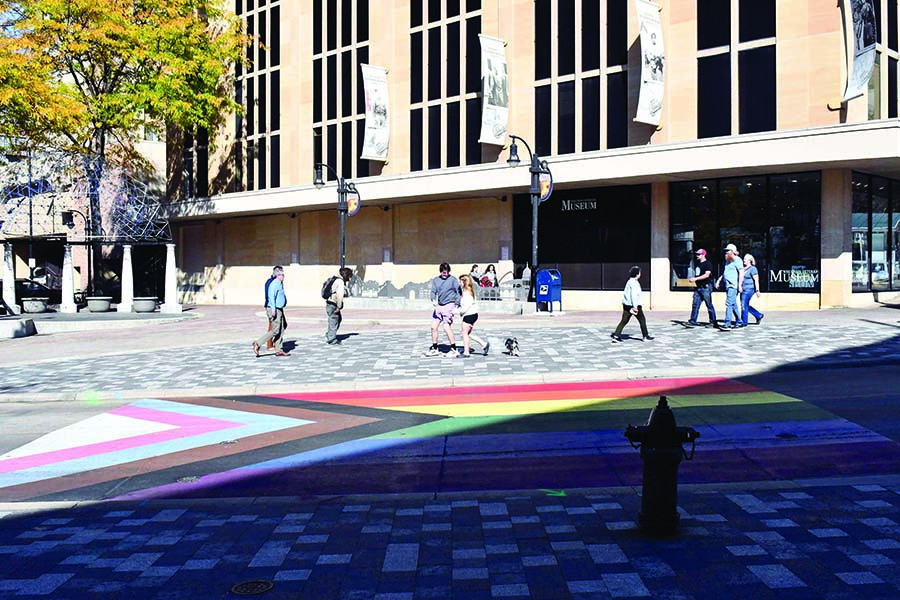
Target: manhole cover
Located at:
point(252, 588)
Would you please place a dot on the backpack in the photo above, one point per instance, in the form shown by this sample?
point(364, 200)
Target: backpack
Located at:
point(326, 287)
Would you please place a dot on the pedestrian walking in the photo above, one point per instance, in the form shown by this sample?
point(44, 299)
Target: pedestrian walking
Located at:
point(468, 310)
point(335, 289)
point(703, 279)
point(475, 273)
point(750, 286)
point(489, 277)
point(275, 303)
point(632, 306)
point(445, 298)
point(732, 277)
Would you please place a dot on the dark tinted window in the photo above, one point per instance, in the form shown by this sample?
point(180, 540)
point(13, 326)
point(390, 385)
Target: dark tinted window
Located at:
point(331, 150)
point(346, 83)
point(434, 10)
point(415, 67)
point(566, 118)
point(756, 79)
point(262, 39)
point(275, 116)
point(434, 137)
point(892, 88)
point(590, 35)
point(331, 26)
point(331, 78)
point(566, 36)
point(453, 59)
point(275, 161)
point(362, 57)
point(317, 90)
point(415, 14)
point(453, 134)
point(260, 164)
point(713, 96)
point(434, 63)
point(452, 8)
point(275, 37)
point(473, 130)
point(590, 114)
point(713, 23)
point(362, 20)
point(317, 26)
point(757, 19)
point(617, 110)
point(251, 108)
point(542, 41)
point(346, 148)
point(251, 165)
point(362, 165)
point(346, 22)
point(415, 139)
point(617, 32)
point(542, 118)
point(261, 105)
point(473, 5)
point(473, 55)
point(892, 24)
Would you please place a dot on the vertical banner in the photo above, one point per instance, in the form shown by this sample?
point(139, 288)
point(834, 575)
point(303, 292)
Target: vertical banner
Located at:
point(653, 59)
point(495, 100)
point(861, 46)
point(378, 129)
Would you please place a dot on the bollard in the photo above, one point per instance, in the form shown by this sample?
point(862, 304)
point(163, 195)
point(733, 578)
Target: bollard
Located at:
point(660, 442)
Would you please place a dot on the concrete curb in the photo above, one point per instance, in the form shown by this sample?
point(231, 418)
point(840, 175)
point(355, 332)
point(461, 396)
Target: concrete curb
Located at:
point(16, 328)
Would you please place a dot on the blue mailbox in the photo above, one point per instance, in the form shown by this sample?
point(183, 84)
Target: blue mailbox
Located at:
point(548, 288)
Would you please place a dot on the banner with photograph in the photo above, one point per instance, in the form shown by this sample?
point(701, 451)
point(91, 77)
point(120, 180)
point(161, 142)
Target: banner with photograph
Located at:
point(378, 129)
point(861, 46)
point(495, 99)
point(653, 59)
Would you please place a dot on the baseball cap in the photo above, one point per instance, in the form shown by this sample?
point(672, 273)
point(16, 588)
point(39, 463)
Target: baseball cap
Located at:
point(700, 252)
point(731, 247)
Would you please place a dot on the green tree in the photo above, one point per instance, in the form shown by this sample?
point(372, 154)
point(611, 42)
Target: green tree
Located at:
point(82, 75)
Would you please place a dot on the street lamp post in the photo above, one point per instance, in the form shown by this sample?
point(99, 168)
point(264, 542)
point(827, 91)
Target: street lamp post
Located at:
point(538, 194)
point(344, 189)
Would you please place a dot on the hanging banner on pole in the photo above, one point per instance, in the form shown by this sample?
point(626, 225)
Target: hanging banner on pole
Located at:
point(495, 97)
point(378, 129)
point(860, 44)
point(653, 59)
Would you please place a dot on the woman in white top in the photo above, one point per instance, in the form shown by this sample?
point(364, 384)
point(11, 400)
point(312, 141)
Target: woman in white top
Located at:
point(468, 310)
point(631, 305)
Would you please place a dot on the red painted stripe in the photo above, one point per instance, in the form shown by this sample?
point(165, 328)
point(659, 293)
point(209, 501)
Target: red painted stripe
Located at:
point(527, 392)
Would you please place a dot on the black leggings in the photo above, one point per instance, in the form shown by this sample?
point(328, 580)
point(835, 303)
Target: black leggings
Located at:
point(626, 316)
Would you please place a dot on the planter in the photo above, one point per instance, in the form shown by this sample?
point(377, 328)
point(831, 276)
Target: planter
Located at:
point(34, 305)
point(146, 304)
point(99, 303)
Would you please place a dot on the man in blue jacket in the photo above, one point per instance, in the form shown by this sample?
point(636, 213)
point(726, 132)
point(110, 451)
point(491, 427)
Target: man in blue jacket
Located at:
point(275, 303)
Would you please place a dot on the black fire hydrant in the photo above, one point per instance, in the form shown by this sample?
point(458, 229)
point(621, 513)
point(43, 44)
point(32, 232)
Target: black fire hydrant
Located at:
point(660, 442)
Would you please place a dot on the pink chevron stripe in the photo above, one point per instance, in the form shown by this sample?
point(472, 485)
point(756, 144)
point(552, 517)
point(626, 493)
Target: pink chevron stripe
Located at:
point(526, 392)
point(188, 425)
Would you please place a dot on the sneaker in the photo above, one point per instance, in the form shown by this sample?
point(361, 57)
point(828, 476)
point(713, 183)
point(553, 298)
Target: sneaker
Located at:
point(725, 328)
point(693, 323)
point(615, 338)
point(759, 319)
point(649, 338)
point(432, 352)
point(487, 347)
point(462, 355)
point(450, 354)
point(334, 342)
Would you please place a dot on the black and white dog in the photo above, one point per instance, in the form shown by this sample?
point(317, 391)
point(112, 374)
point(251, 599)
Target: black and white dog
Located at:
point(512, 346)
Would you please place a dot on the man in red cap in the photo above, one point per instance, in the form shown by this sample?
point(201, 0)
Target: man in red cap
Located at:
point(703, 279)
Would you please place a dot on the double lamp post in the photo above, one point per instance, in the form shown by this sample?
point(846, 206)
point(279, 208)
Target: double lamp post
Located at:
point(347, 205)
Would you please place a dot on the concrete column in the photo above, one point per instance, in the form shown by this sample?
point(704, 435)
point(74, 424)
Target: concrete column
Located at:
point(836, 275)
point(9, 279)
point(127, 303)
point(68, 282)
point(171, 304)
point(660, 267)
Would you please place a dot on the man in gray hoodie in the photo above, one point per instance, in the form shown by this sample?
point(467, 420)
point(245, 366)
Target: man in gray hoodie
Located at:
point(445, 297)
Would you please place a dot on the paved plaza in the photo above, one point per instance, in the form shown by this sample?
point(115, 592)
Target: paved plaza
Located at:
point(166, 461)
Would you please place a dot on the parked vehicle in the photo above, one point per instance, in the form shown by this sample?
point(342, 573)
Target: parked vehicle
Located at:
point(28, 288)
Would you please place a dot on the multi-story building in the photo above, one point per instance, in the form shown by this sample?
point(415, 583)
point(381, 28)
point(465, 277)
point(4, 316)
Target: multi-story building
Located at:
point(761, 141)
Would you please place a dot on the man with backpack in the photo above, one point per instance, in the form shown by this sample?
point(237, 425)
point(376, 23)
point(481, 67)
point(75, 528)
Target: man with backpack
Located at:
point(333, 291)
point(275, 303)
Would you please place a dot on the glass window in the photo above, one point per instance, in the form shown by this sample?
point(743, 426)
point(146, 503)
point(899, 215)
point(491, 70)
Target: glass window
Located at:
point(453, 59)
point(261, 104)
point(742, 220)
point(415, 67)
point(251, 108)
point(331, 78)
point(434, 11)
point(317, 26)
point(317, 90)
point(275, 37)
point(346, 83)
point(713, 23)
point(362, 20)
point(473, 55)
point(453, 129)
point(251, 165)
point(566, 118)
point(331, 149)
point(275, 161)
point(895, 235)
point(693, 225)
point(617, 32)
point(565, 47)
point(473, 131)
point(757, 19)
point(362, 57)
point(452, 8)
point(260, 164)
point(251, 47)
point(860, 232)
point(435, 60)
point(346, 22)
point(542, 117)
point(795, 248)
point(542, 39)
point(331, 26)
point(881, 237)
point(590, 114)
point(892, 24)
point(415, 139)
point(590, 35)
point(434, 137)
point(346, 148)
point(472, 5)
point(362, 165)
point(262, 40)
point(875, 90)
point(415, 14)
point(713, 96)
point(892, 88)
point(617, 110)
point(756, 81)
point(275, 85)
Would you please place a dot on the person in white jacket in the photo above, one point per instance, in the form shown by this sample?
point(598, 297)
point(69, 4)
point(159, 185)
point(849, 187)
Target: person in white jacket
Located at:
point(631, 305)
point(468, 310)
